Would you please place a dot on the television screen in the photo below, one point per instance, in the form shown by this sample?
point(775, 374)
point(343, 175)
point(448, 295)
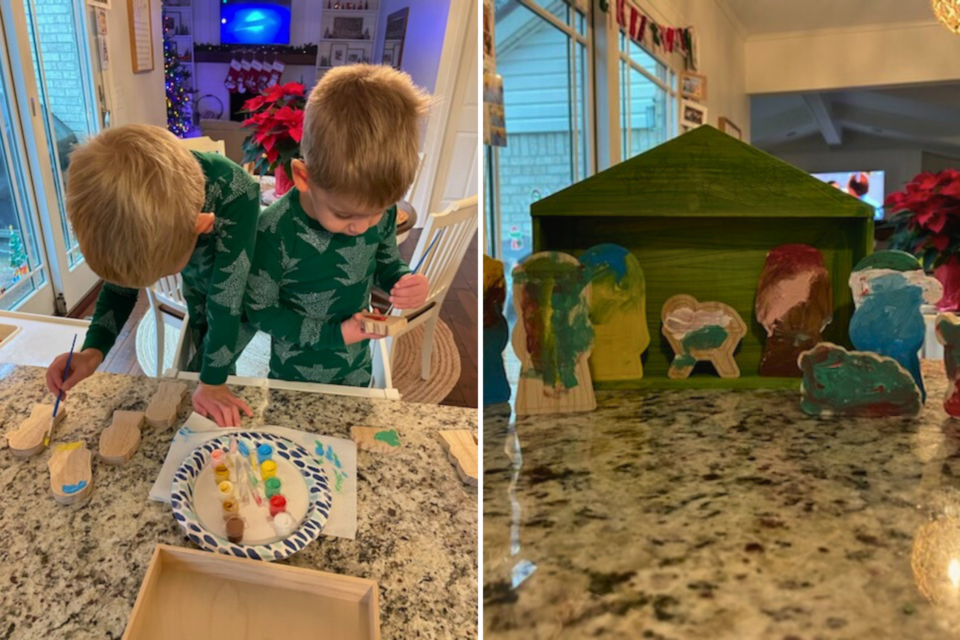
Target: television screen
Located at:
point(865, 185)
point(263, 22)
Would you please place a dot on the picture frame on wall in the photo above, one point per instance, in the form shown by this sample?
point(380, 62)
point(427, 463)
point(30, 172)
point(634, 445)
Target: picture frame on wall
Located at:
point(693, 86)
point(348, 28)
point(100, 4)
point(338, 54)
point(101, 22)
point(489, 46)
point(692, 115)
point(355, 56)
point(387, 57)
point(141, 35)
point(728, 127)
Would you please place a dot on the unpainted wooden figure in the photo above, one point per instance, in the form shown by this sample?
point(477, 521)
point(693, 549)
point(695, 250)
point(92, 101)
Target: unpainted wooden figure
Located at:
point(27, 440)
point(121, 439)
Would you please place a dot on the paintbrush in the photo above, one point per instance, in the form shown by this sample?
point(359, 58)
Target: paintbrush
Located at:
point(420, 263)
point(56, 405)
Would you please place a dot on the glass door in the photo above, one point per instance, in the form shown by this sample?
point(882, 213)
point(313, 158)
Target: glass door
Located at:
point(55, 86)
point(24, 281)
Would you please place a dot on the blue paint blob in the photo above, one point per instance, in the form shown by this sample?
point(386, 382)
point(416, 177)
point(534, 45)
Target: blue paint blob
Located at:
point(611, 256)
point(70, 489)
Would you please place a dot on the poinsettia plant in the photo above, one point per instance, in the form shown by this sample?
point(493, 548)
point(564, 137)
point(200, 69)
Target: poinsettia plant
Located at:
point(275, 126)
point(926, 217)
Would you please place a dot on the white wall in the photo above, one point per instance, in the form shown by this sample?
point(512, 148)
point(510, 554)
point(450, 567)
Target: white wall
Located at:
point(426, 25)
point(136, 98)
point(844, 58)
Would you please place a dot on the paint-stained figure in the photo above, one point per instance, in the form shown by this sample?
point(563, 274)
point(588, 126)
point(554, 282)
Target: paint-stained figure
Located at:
point(948, 334)
point(888, 288)
point(553, 336)
point(496, 334)
point(701, 331)
point(794, 304)
point(618, 312)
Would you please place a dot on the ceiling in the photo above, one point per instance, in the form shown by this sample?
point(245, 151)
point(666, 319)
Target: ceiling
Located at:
point(924, 116)
point(762, 17)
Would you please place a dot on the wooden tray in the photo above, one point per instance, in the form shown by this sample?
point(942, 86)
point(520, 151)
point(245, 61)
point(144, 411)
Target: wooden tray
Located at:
point(189, 594)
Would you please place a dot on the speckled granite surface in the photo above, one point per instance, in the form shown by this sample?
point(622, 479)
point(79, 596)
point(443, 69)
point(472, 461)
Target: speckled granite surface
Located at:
point(722, 514)
point(74, 572)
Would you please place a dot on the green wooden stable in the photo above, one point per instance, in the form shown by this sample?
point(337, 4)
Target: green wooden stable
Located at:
point(701, 212)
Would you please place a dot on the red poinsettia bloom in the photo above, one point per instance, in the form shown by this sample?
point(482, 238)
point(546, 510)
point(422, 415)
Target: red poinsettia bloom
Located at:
point(928, 217)
point(275, 126)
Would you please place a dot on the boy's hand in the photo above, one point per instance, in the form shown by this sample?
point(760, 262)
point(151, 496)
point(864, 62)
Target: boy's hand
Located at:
point(352, 330)
point(410, 292)
point(82, 366)
point(219, 404)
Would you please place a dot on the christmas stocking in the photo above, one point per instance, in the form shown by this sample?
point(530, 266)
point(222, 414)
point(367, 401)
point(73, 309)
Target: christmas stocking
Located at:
point(245, 67)
point(253, 78)
point(265, 72)
point(233, 75)
point(276, 73)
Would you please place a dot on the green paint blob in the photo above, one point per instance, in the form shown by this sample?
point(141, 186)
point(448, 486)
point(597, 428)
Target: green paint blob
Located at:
point(338, 486)
point(710, 337)
point(556, 320)
point(685, 360)
point(390, 437)
point(893, 260)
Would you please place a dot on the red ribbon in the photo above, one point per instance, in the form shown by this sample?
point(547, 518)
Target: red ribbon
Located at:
point(641, 34)
point(621, 15)
point(633, 21)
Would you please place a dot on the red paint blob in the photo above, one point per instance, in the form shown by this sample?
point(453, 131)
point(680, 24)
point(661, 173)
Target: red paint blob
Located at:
point(278, 504)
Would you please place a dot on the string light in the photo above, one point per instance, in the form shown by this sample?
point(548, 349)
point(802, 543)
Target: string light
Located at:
point(948, 13)
point(175, 81)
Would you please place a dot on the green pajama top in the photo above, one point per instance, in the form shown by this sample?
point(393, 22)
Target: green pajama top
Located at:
point(214, 279)
point(305, 281)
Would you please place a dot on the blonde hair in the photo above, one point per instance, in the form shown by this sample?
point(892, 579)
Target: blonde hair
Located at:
point(361, 133)
point(133, 196)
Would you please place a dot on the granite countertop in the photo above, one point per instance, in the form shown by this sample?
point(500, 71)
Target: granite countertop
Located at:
point(722, 514)
point(74, 572)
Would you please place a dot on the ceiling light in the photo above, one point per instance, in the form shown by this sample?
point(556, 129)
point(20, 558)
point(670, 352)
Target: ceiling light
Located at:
point(948, 13)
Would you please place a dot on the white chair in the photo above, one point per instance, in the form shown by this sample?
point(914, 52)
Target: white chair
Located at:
point(416, 179)
point(205, 145)
point(167, 292)
point(458, 225)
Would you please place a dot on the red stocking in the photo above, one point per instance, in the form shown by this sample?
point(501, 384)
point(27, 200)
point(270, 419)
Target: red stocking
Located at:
point(233, 75)
point(276, 73)
point(253, 78)
point(245, 67)
point(265, 72)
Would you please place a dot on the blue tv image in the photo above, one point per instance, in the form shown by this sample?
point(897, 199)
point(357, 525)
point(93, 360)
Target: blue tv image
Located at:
point(255, 22)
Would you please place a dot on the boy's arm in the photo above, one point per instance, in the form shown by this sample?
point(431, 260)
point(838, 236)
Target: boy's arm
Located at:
point(390, 266)
point(264, 308)
point(236, 227)
point(114, 306)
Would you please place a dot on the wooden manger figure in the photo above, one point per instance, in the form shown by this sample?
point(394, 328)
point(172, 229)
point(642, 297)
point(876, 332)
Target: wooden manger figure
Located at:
point(794, 304)
point(553, 336)
point(888, 289)
point(702, 331)
point(618, 313)
point(496, 334)
point(948, 334)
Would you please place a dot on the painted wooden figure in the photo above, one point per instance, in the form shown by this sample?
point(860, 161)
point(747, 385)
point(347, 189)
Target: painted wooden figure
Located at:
point(496, 334)
point(71, 473)
point(794, 304)
point(888, 289)
point(702, 331)
point(948, 334)
point(837, 382)
point(553, 336)
point(618, 312)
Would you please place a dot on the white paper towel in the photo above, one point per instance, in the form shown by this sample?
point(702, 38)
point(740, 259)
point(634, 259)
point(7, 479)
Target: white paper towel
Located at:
point(328, 452)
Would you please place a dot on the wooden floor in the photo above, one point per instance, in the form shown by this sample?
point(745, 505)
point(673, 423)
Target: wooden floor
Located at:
point(459, 312)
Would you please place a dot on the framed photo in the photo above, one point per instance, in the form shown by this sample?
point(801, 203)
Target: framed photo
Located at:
point(171, 21)
point(347, 28)
point(104, 52)
point(489, 44)
point(692, 115)
point(693, 86)
point(141, 35)
point(100, 4)
point(355, 56)
point(338, 54)
point(387, 56)
point(397, 25)
point(101, 22)
point(728, 127)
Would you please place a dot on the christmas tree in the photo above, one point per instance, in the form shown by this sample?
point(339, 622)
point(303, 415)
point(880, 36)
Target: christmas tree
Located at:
point(18, 256)
point(175, 77)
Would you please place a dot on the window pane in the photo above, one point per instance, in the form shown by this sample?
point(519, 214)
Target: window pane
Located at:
point(18, 249)
point(646, 109)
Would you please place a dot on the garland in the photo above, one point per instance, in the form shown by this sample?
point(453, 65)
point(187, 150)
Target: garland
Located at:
point(637, 24)
point(308, 49)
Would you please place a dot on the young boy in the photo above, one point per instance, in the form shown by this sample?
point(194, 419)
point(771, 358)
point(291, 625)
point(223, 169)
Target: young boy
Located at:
point(142, 206)
point(323, 245)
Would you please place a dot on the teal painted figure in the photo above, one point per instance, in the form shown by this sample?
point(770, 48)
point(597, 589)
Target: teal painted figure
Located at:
point(948, 334)
point(553, 336)
point(888, 289)
point(496, 334)
point(837, 382)
point(698, 331)
point(618, 312)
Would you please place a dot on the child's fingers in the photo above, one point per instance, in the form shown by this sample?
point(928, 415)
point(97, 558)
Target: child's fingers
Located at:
point(406, 282)
point(217, 414)
point(243, 405)
point(232, 414)
point(53, 380)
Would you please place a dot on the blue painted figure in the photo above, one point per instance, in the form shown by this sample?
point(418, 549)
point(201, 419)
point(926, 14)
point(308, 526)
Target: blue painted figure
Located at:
point(888, 289)
point(496, 334)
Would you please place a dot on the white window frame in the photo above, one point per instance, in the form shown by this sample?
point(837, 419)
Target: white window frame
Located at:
point(670, 87)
